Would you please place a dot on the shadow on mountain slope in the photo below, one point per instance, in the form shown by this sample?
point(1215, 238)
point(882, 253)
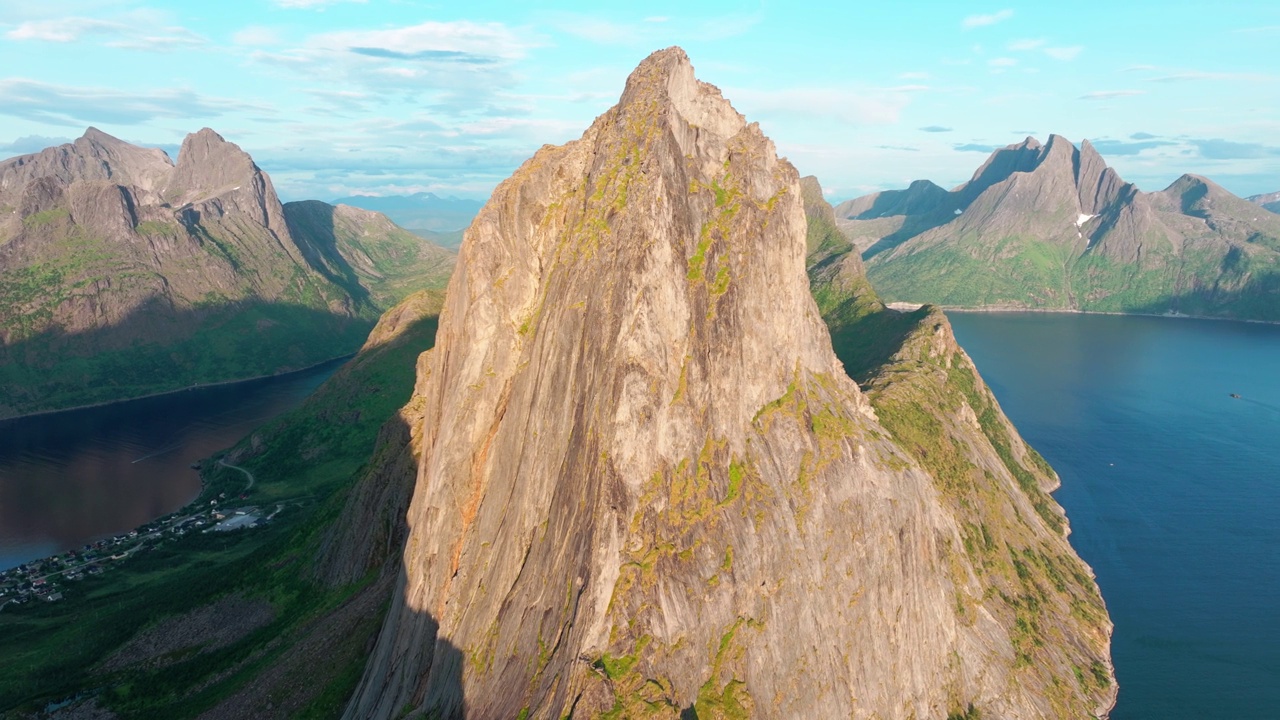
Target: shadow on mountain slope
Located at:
point(311, 224)
point(53, 369)
point(1257, 298)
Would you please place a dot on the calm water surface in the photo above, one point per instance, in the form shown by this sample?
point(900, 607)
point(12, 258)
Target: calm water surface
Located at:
point(77, 476)
point(1172, 488)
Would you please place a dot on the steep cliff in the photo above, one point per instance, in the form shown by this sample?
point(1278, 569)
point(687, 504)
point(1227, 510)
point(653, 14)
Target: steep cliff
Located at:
point(1051, 226)
point(122, 274)
point(647, 486)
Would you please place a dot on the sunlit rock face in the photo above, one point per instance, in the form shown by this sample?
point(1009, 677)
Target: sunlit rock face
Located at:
point(647, 485)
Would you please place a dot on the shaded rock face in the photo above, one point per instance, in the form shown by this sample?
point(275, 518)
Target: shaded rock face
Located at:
point(105, 247)
point(1051, 226)
point(646, 484)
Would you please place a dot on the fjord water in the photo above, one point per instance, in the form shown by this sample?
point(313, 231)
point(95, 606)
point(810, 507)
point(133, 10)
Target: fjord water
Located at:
point(76, 476)
point(1171, 485)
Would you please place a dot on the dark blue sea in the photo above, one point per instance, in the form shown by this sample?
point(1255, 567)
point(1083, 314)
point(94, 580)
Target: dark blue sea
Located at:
point(73, 477)
point(1171, 485)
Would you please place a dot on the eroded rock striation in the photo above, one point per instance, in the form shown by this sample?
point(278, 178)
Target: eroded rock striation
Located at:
point(122, 273)
point(647, 487)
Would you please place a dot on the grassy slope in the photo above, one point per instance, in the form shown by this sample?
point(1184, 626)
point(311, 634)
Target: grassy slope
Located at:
point(308, 459)
point(923, 387)
point(1031, 273)
point(159, 348)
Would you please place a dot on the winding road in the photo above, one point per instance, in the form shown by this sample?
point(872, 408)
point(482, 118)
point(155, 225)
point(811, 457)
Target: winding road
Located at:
point(247, 474)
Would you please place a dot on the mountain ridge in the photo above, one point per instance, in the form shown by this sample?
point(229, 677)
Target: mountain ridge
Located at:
point(1051, 226)
point(110, 253)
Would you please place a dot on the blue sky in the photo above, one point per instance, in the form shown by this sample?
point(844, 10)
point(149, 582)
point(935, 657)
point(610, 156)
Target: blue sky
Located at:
point(335, 97)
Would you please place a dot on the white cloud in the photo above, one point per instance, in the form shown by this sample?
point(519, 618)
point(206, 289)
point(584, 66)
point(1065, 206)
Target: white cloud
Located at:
point(1201, 75)
point(255, 36)
point(653, 31)
point(1109, 94)
point(974, 21)
point(867, 106)
point(312, 4)
point(461, 41)
point(1002, 62)
point(1063, 53)
point(139, 34)
point(80, 106)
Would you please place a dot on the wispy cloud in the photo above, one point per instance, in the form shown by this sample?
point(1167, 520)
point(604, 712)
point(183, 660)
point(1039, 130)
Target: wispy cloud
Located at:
point(653, 31)
point(861, 106)
point(935, 129)
point(974, 21)
point(32, 144)
point(1219, 149)
point(460, 68)
point(1217, 76)
point(1064, 53)
point(139, 34)
point(1042, 45)
point(79, 106)
point(255, 36)
point(977, 147)
point(1125, 148)
point(1109, 94)
point(1002, 62)
point(312, 4)
point(448, 41)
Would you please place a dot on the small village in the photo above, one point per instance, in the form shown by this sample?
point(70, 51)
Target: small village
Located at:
point(52, 579)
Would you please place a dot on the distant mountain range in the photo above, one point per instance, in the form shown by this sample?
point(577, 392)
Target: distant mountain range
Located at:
point(1051, 226)
point(421, 211)
point(123, 273)
point(1270, 201)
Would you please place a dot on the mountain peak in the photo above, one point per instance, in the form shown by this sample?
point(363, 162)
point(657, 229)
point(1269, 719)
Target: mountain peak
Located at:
point(666, 79)
point(93, 134)
point(638, 442)
point(208, 166)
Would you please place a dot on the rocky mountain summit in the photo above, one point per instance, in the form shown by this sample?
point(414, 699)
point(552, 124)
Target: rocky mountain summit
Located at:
point(123, 273)
point(1270, 201)
point(1052, 226)
point(646, 486)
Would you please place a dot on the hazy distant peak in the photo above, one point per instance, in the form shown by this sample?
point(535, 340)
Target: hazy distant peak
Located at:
point(1270, 201)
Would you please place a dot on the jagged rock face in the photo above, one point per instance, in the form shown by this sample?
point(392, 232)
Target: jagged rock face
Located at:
point(646, 483)
point(105, 247)
point(1051, 226)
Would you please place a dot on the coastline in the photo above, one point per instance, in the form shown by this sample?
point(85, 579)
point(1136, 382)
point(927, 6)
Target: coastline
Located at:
point(908, 306)
point(175, 391)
